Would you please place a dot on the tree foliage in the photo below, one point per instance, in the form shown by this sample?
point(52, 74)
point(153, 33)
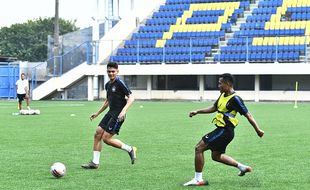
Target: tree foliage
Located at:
point(28, 41)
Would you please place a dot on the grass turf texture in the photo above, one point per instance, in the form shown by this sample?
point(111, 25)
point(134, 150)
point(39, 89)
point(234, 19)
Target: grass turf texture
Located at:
point(165, 137)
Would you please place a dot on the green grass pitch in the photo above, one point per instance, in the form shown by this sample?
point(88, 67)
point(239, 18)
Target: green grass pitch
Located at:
point(165, 137)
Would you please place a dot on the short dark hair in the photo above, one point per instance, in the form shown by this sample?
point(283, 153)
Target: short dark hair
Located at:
point(228, 78)
point(112, 64)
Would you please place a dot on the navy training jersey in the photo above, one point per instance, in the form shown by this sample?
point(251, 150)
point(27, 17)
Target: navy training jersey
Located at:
point(116, 95)
point(235, 103)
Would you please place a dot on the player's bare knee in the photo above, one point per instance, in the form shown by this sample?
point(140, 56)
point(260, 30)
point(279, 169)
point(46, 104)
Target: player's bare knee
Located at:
point(98, 134)
point(106, 140)
point(215, 156)
point(198, 149)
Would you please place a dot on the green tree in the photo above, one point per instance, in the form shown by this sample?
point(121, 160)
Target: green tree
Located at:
point(28, 41)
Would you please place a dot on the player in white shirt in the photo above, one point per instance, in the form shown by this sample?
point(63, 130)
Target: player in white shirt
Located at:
point(22, 86)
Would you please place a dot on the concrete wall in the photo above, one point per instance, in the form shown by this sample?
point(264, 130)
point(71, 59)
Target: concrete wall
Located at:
point(213, 95)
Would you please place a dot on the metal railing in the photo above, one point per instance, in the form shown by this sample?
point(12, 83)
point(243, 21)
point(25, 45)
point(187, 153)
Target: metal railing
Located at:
point(240, 50)
point(58, 65)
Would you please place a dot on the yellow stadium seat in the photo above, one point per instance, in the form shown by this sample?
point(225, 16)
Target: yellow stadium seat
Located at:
point(193, 6)
point(191, 28)
point(218, 27)
point(206, 5)
point(168, 35)
point(272, 26)
point(265, 41)
point(288, 25)
point(175, 28)
point(267, 25)
point(260, 41)
point(297, 25)
point(254, 42)
point(160, 43)
point(272, 41)
point(280, 25)
point(186, 28)
point(273, 18)
point(307, 40)
point(283, 11)
point(291, 40)
point(204, 27)
point(281, 40)
point(179, 21)
point(182, 28)
point(200, 27)
point(306, 3)
point(298, 3)
point(202, 6)
point(269, 41)
point(292, 25)
point(303, 40)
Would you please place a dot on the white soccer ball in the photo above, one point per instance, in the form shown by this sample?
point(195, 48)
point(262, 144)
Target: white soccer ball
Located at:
point(58, 169)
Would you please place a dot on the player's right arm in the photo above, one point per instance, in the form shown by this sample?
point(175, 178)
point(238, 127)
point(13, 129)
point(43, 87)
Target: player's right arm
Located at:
point(102, 108)
point(211, 109)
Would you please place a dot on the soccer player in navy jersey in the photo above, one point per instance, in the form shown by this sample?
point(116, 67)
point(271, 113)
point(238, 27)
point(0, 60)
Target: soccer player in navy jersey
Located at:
point(226, 106)
point(117, 91)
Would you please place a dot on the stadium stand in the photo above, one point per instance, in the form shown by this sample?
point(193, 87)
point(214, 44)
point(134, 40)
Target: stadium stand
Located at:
point(276, 31)
point(184, 31)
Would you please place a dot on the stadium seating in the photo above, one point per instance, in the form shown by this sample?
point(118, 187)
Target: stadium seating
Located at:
point(276, 31)
point(183, 31)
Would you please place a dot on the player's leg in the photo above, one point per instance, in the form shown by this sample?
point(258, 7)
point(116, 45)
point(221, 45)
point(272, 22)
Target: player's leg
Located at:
point(20, 99)
point(97, 146)
point(199, 163)
point(113, 127)
point(224, 137)
point(222, 158)
point(27, 99)
point(199, 156)
point(19, 105)
point(107, 138)
point(225, 159)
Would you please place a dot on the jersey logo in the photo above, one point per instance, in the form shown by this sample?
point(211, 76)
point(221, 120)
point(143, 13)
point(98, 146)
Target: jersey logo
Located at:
point(113, 88)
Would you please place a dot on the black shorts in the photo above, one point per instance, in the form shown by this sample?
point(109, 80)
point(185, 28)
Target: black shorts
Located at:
point(218, 139)
point(21, 97)
point(110, 124)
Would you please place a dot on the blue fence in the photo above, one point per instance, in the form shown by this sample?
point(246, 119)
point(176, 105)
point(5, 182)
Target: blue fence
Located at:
point(9, 74)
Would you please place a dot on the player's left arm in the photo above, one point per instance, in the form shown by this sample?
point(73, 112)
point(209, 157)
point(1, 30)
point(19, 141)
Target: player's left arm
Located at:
point(252, 121)
point(239, 105)
point(130, 100)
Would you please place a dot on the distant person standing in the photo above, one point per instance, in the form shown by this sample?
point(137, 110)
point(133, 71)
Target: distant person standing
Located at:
point(117, 91)
point(22, 88)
